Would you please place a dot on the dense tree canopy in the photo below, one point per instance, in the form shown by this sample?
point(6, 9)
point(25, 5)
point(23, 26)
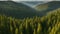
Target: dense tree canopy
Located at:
point(49, 24)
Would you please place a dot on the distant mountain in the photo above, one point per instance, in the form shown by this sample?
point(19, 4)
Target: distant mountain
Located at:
point(49, 23)
point(17, 10)
point(34, 3)
point(45, 8)
point(20, 10)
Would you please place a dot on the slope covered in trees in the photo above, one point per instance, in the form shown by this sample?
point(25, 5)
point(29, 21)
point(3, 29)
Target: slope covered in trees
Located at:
point(49, 24)
point(13, 9)
point(47, 7)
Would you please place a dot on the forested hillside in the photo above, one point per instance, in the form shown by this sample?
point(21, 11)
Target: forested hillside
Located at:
point(49, 24)
point(47, 7)
point(13, 9)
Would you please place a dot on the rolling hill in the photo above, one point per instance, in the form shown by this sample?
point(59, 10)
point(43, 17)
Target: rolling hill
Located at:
point(32, 22)
point(49, 24)
point(45, 8)
point(17, 10)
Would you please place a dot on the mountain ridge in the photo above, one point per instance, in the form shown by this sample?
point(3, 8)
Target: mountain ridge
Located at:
point(19, 10)
point(48, 7)
point(10, 8)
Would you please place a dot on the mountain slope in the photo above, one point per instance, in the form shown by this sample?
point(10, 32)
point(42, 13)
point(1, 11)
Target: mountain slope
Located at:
point(17, 10)
point(49, 24)
point(45, 8)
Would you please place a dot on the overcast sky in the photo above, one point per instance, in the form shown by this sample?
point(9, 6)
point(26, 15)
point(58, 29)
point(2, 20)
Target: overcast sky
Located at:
point(35, 0)
point(31, 0)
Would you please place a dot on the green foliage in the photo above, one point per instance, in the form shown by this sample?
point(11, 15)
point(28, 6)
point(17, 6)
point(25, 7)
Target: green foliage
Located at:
point(49, 24)
point(13, 9)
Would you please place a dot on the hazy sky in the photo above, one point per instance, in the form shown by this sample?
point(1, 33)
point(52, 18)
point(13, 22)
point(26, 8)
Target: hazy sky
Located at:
point(35, 0)
point(31, 0)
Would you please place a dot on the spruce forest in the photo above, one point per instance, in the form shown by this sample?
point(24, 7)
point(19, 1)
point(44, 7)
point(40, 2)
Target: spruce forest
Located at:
point(48, 24)
point(18, 18)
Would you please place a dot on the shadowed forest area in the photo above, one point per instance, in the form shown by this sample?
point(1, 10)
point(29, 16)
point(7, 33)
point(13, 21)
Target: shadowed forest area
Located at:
point(48, 24)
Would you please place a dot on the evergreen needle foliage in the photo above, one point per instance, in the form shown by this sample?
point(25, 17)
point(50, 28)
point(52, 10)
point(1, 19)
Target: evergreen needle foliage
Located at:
point(49, 24)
